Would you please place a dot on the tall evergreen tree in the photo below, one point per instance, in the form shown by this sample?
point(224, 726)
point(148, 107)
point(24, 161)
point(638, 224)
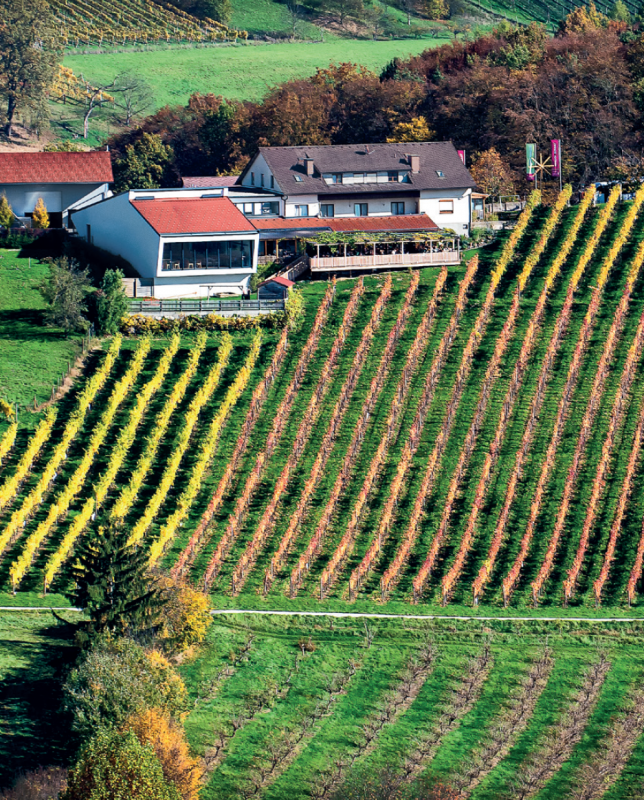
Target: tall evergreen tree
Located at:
point(112, 583)
point(111, 302)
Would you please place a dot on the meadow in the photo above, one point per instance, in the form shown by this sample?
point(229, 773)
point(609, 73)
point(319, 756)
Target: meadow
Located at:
point(243, 71)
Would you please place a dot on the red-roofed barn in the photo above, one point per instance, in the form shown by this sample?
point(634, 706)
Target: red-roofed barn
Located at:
point(183, 243)
point(65, 181)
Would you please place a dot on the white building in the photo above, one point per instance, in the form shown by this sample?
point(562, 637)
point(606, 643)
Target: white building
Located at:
point(65, 181)
point(182, 243)
point(375, 180)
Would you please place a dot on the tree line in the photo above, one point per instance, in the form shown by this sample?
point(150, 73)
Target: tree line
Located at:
point(496, 92)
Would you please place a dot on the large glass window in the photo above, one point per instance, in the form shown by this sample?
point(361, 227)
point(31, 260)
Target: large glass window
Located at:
point(270, 208)
point(182, 256)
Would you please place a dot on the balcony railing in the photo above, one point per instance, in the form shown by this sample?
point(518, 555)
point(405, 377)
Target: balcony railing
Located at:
point(333, 263)
point(204, 306)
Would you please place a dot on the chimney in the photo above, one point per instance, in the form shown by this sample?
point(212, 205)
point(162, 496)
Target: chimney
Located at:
point(414, 163)
point(308, 163)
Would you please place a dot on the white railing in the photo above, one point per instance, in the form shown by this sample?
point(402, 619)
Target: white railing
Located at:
point(378, 261)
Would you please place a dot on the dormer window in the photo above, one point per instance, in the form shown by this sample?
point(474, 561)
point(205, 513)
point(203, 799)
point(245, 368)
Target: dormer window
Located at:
point(440, 173)
point(332, 177)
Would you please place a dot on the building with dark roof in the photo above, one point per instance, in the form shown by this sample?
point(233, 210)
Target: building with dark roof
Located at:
point(182, 243)
point(65, 181)
point(375, 180)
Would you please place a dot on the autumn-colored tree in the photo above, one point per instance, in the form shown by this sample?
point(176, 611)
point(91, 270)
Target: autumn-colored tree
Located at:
point(117, 766)
point(415, 131)
point(6, 213)
point(186, 614)
point(434, 9)
point(582, 19)
point(492, 174)
point(40, 217)
point(620, 13)
point(156, 728)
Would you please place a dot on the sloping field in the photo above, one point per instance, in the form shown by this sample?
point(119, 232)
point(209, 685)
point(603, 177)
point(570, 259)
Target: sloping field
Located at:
point(456, 438)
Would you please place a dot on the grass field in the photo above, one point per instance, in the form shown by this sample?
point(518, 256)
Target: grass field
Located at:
point(245, 72)
point(253, 671)
point(32, 357)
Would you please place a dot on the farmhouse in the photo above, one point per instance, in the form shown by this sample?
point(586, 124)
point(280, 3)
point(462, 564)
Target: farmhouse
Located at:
point(182, 243)
point(65, 181)
point(375, 180)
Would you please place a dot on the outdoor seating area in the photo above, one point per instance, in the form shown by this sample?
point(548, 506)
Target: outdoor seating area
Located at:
point(330, 253)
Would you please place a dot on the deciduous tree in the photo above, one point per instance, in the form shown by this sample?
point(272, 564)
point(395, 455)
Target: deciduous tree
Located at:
point(186, 615)
point(40, 217)
point(117, 766)
point(29, 54)
point(492, 174)
point(143, 165)
point(65, 290)
point(6, 213)
point(415, 131)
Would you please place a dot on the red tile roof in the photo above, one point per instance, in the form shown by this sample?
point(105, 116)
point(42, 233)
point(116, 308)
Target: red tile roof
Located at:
point(290, 223)
point(409, 222)
point(193, 215)
point(91, 167)
point(207, 183)
point(278, 279)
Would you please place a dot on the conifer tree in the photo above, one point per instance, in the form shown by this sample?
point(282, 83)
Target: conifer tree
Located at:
point(112, 583)
point(112, 302)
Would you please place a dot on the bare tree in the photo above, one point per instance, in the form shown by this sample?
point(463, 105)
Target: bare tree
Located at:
point(133, 95)
point(295, 11)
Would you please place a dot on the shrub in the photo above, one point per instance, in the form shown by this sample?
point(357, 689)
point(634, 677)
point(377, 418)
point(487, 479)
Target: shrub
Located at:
point(157, 729)
point(186, 615)
point(116, 766)
point(112, 302)
point(44, 783)
point(116, 679)
point(140, 323)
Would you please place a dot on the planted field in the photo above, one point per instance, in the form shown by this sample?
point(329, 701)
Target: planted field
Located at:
point(465, 437)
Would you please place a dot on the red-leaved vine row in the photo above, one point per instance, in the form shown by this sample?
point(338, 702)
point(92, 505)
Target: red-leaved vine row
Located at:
point(527, 349)
point(636, 571)
point(201, 534)
point(620, 511)
point(278, 560)
point(279, 426)
point(596, 393)
point(463, 374)
point(620, 406)
point(377, 384)
point(394, 417)
point(492, 456)
point(554, 345)
point(266, 524)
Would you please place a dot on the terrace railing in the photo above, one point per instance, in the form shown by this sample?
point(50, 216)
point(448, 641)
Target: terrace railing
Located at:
point(204, 306)
point(332, 263)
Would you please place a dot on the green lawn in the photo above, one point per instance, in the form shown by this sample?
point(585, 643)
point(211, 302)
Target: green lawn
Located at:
point(245, 72)
point(32, 356)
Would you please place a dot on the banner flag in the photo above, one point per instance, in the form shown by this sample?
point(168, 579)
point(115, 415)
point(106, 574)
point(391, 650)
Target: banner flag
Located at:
point(555, 157)
point(461, 154)
point(530, 160)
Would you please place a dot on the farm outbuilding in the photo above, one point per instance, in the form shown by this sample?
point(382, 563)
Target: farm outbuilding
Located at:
point(65, 182)
point(274, 288)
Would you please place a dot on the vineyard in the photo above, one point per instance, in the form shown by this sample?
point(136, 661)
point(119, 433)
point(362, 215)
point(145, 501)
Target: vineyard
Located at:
point(464, 437)
point(89, 22)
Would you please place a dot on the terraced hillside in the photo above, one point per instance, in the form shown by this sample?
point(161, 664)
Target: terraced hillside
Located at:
point(457, 437)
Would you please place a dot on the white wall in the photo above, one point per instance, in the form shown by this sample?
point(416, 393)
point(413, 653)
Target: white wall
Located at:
point(380, 207)
point(119, 228)
point(459, 220)
point(193, 286)
point(260, 168)
point(310, 200)
point(23, 197)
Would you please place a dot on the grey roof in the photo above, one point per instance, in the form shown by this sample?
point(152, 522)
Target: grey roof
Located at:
point(286, 162)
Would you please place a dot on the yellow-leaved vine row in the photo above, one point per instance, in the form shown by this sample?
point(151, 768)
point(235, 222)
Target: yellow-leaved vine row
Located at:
point(41, 435)
point(128, 495)
point(73, 426)
point(176, 457)
point(118, 455)
point(8, 440)
point(208, 446)
point(60, 507)
point(200, 534)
